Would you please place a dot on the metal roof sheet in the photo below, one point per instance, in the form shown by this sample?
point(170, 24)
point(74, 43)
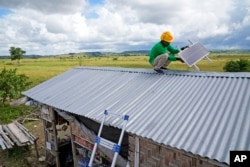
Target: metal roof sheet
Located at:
point(205, 113)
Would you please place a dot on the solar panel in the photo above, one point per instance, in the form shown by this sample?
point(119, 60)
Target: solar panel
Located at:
point(193, 54)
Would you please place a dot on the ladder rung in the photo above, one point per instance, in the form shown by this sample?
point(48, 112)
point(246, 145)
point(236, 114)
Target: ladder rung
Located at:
point(108, 144)
point(124, 117)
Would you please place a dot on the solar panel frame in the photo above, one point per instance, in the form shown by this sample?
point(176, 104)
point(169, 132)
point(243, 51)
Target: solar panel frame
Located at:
point(194, 54)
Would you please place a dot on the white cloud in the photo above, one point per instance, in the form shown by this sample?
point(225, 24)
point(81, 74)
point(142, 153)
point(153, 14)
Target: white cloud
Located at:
point(46, 6)
point(62, 26)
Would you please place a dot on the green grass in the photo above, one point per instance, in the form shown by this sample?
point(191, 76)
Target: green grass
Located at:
point(15, 157)
point(39, 70)
point(8, 113)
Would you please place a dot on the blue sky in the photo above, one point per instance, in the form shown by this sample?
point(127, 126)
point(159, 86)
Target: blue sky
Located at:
point(95, 2)
point(4, 11)
point(62, 26)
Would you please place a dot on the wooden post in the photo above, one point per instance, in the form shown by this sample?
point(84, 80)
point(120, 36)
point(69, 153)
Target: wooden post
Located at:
point(73, 146)
point(37, 154)
point(137, 152)
point(55, 137)
point(45, 135)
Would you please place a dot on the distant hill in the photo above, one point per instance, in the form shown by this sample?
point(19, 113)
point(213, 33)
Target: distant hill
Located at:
point(100, 54)
point(124, 53)
point(231, 51)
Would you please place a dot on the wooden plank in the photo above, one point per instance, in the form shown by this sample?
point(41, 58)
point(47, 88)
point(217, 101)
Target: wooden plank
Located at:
point(15, 133)
point(6, 139)
point(18, 133)
point(11, 135)
point(26, 132)
point(2, 143)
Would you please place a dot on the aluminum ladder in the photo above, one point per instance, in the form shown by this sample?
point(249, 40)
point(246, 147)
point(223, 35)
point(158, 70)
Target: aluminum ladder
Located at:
point(116, 147)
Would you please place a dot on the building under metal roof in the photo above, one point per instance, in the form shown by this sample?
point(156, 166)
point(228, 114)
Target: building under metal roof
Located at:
point(203, 113)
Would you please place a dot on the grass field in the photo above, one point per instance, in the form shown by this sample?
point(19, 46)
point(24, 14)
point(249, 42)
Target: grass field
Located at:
point(41, 69)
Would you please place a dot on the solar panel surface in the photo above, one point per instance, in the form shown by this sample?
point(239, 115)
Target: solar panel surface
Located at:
point(194, 53)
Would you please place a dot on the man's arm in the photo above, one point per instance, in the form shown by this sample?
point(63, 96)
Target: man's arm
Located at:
point(173, 58)
point(172, 49)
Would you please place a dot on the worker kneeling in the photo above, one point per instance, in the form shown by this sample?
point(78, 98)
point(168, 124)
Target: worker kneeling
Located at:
point(162, 53)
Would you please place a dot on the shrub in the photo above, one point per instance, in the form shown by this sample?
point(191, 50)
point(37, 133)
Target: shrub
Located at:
point(11, 84)
point(242, 65)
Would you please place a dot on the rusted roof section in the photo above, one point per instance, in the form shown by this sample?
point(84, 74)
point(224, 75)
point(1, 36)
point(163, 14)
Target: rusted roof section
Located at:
point(204, 113)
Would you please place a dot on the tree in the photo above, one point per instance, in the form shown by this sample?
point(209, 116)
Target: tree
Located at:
point(11, 84)
point(16, 54)
point(241, 65)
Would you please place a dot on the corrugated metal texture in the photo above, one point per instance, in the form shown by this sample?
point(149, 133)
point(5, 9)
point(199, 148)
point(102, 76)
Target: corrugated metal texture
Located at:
point(205, 113)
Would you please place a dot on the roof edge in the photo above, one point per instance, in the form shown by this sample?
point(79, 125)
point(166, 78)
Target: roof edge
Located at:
point(170, 72)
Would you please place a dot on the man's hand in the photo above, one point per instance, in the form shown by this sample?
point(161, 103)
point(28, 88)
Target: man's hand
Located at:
point(184, 47)
point(180, 59)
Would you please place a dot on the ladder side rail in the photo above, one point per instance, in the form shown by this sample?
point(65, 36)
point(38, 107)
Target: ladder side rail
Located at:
point(97, 140)
point(117, 150)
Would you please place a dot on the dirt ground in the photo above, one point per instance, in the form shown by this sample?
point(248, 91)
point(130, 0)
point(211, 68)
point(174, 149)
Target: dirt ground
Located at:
point(26, 157)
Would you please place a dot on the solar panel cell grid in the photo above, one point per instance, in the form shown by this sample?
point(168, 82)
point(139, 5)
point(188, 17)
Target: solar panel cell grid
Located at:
point(194, 53)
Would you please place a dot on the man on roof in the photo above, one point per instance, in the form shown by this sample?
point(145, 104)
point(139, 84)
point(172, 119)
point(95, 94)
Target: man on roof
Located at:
point(162, 53)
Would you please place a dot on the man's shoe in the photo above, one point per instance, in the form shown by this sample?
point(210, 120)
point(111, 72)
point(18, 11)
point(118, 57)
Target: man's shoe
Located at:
point(159, 71)
point(164, 68)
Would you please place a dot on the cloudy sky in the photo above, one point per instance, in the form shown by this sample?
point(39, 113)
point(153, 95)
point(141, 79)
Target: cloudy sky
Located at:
point(49, 27)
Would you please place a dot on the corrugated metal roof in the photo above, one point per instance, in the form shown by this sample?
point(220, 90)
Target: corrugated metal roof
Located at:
point(205, 113)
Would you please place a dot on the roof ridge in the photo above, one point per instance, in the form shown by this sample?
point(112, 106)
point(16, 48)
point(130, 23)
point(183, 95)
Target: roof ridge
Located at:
point(171, 72)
